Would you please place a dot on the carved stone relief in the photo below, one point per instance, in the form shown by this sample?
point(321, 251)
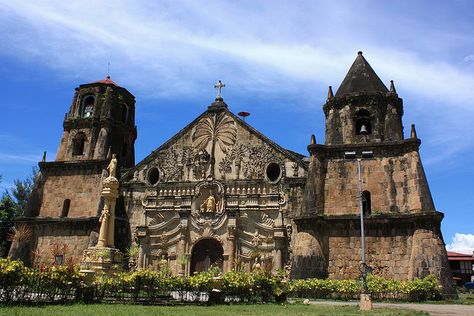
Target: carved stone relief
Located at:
point(217, 129)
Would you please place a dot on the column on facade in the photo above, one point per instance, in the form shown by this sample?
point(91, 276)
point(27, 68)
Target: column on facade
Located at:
point(231, 242)
point(280, 244)
point(181, 252)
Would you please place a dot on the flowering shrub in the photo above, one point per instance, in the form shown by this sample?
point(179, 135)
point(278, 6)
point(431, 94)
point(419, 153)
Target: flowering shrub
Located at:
point(380, 288)
point(58, 280)
point(53, 283)
point(13, 275)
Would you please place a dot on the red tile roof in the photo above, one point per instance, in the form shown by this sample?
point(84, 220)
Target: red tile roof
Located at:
point(107, 80)
point(456, 256)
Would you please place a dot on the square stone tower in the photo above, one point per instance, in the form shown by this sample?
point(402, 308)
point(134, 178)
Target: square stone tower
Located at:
point(66, 201)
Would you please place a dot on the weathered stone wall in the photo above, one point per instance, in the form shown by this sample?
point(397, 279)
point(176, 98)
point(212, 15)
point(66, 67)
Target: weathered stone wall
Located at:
point(82, 187)
point(74, 235)
point(388, 255)
point(400, 247)
point(396, 184)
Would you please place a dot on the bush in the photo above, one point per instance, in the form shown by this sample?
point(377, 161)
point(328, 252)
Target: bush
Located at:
point(380, 288)
point(13, 278)
point(19, 283)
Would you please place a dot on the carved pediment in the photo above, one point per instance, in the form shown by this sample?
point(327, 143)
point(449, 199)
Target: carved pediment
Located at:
point(216, 144)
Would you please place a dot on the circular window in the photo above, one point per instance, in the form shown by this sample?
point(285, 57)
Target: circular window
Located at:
point(153, 176)
point(273, 172)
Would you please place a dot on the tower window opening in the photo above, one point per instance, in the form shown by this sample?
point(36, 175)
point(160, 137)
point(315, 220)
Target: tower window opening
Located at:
point(88, 106)
point(66, 206)
point(78, 145)
point(125, 114)
point(366, 203)
point(363, 124)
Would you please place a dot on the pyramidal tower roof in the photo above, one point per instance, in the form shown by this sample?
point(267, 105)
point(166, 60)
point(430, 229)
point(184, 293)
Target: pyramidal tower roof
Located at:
point(361, 78)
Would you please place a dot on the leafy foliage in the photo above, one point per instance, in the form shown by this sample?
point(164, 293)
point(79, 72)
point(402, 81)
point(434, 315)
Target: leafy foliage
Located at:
point(15, 203)
point(8, 207)
point(52, 283)
point(22, 191)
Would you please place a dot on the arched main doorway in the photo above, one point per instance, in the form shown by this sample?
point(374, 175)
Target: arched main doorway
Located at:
point(207, 253)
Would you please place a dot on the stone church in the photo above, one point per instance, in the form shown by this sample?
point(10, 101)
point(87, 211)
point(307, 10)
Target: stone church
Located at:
point(220, 193)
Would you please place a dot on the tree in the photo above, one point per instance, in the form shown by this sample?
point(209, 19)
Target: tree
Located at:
point(8, 207)
point(13, 206)
point(22, 191)
point(15, 203)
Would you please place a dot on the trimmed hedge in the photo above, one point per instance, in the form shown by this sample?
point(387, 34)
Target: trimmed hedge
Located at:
point(66, 283)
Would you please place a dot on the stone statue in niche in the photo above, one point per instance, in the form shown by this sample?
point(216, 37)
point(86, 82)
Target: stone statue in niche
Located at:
point(208, 198)
point(210, 204)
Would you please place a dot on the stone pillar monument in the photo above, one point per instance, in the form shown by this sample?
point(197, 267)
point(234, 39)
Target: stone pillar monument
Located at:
point(104, 256)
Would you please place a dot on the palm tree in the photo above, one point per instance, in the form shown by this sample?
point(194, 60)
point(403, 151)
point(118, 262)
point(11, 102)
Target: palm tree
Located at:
point(218, 128)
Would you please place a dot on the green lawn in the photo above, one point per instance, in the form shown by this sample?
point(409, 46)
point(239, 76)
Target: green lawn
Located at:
point(220, 310)
point(463, 299)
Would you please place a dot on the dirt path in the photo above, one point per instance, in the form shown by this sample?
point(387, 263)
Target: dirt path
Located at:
point(432, 309)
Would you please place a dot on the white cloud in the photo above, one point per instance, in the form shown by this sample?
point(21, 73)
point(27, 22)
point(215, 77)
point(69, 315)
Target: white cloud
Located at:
point(469, 58)
point(178, 49)
point(463, 243)
point(7, 158)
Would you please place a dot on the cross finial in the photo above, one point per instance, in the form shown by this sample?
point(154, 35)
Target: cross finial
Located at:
point(219, 87)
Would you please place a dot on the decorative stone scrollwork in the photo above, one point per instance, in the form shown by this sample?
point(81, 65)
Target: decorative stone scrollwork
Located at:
point(170, 162)
point(295, 168)
point(254, 168)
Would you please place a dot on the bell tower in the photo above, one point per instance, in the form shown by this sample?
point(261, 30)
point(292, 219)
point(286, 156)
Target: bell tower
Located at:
point(363, 109)
point(66, 201)
point(368, 175)
point(100, 122)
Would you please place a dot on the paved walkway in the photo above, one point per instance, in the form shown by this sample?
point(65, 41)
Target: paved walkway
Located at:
point(432, 309)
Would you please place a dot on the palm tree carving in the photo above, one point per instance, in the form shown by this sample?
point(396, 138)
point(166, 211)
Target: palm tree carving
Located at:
point(218, 128)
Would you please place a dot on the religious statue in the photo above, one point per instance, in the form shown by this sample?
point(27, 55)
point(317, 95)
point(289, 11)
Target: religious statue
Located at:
point(112, 166)
point(209, 205)
point(256, 265)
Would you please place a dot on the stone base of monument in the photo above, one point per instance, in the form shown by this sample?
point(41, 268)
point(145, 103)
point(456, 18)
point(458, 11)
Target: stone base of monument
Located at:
point(108, 260)
point(365, 302)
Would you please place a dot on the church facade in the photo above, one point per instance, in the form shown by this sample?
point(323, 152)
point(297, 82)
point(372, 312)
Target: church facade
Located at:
point(219, 193)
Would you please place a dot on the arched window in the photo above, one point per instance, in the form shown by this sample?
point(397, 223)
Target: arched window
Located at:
point(88, 106)
point(78, 144)
point(366, 203)
point(363, 124)
point(125, 113)
point(66, 206)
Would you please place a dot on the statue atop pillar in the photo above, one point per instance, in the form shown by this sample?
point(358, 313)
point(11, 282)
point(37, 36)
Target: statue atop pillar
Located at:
point(104, 255)
point(112, 167)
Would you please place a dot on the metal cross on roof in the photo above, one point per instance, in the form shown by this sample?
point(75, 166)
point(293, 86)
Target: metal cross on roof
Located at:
point(219, 87)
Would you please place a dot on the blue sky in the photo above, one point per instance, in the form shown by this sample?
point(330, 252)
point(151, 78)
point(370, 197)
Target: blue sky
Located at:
point(277, 59)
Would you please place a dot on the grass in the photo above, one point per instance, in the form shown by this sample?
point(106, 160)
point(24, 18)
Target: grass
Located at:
point(220, 310)
point(463, 299)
